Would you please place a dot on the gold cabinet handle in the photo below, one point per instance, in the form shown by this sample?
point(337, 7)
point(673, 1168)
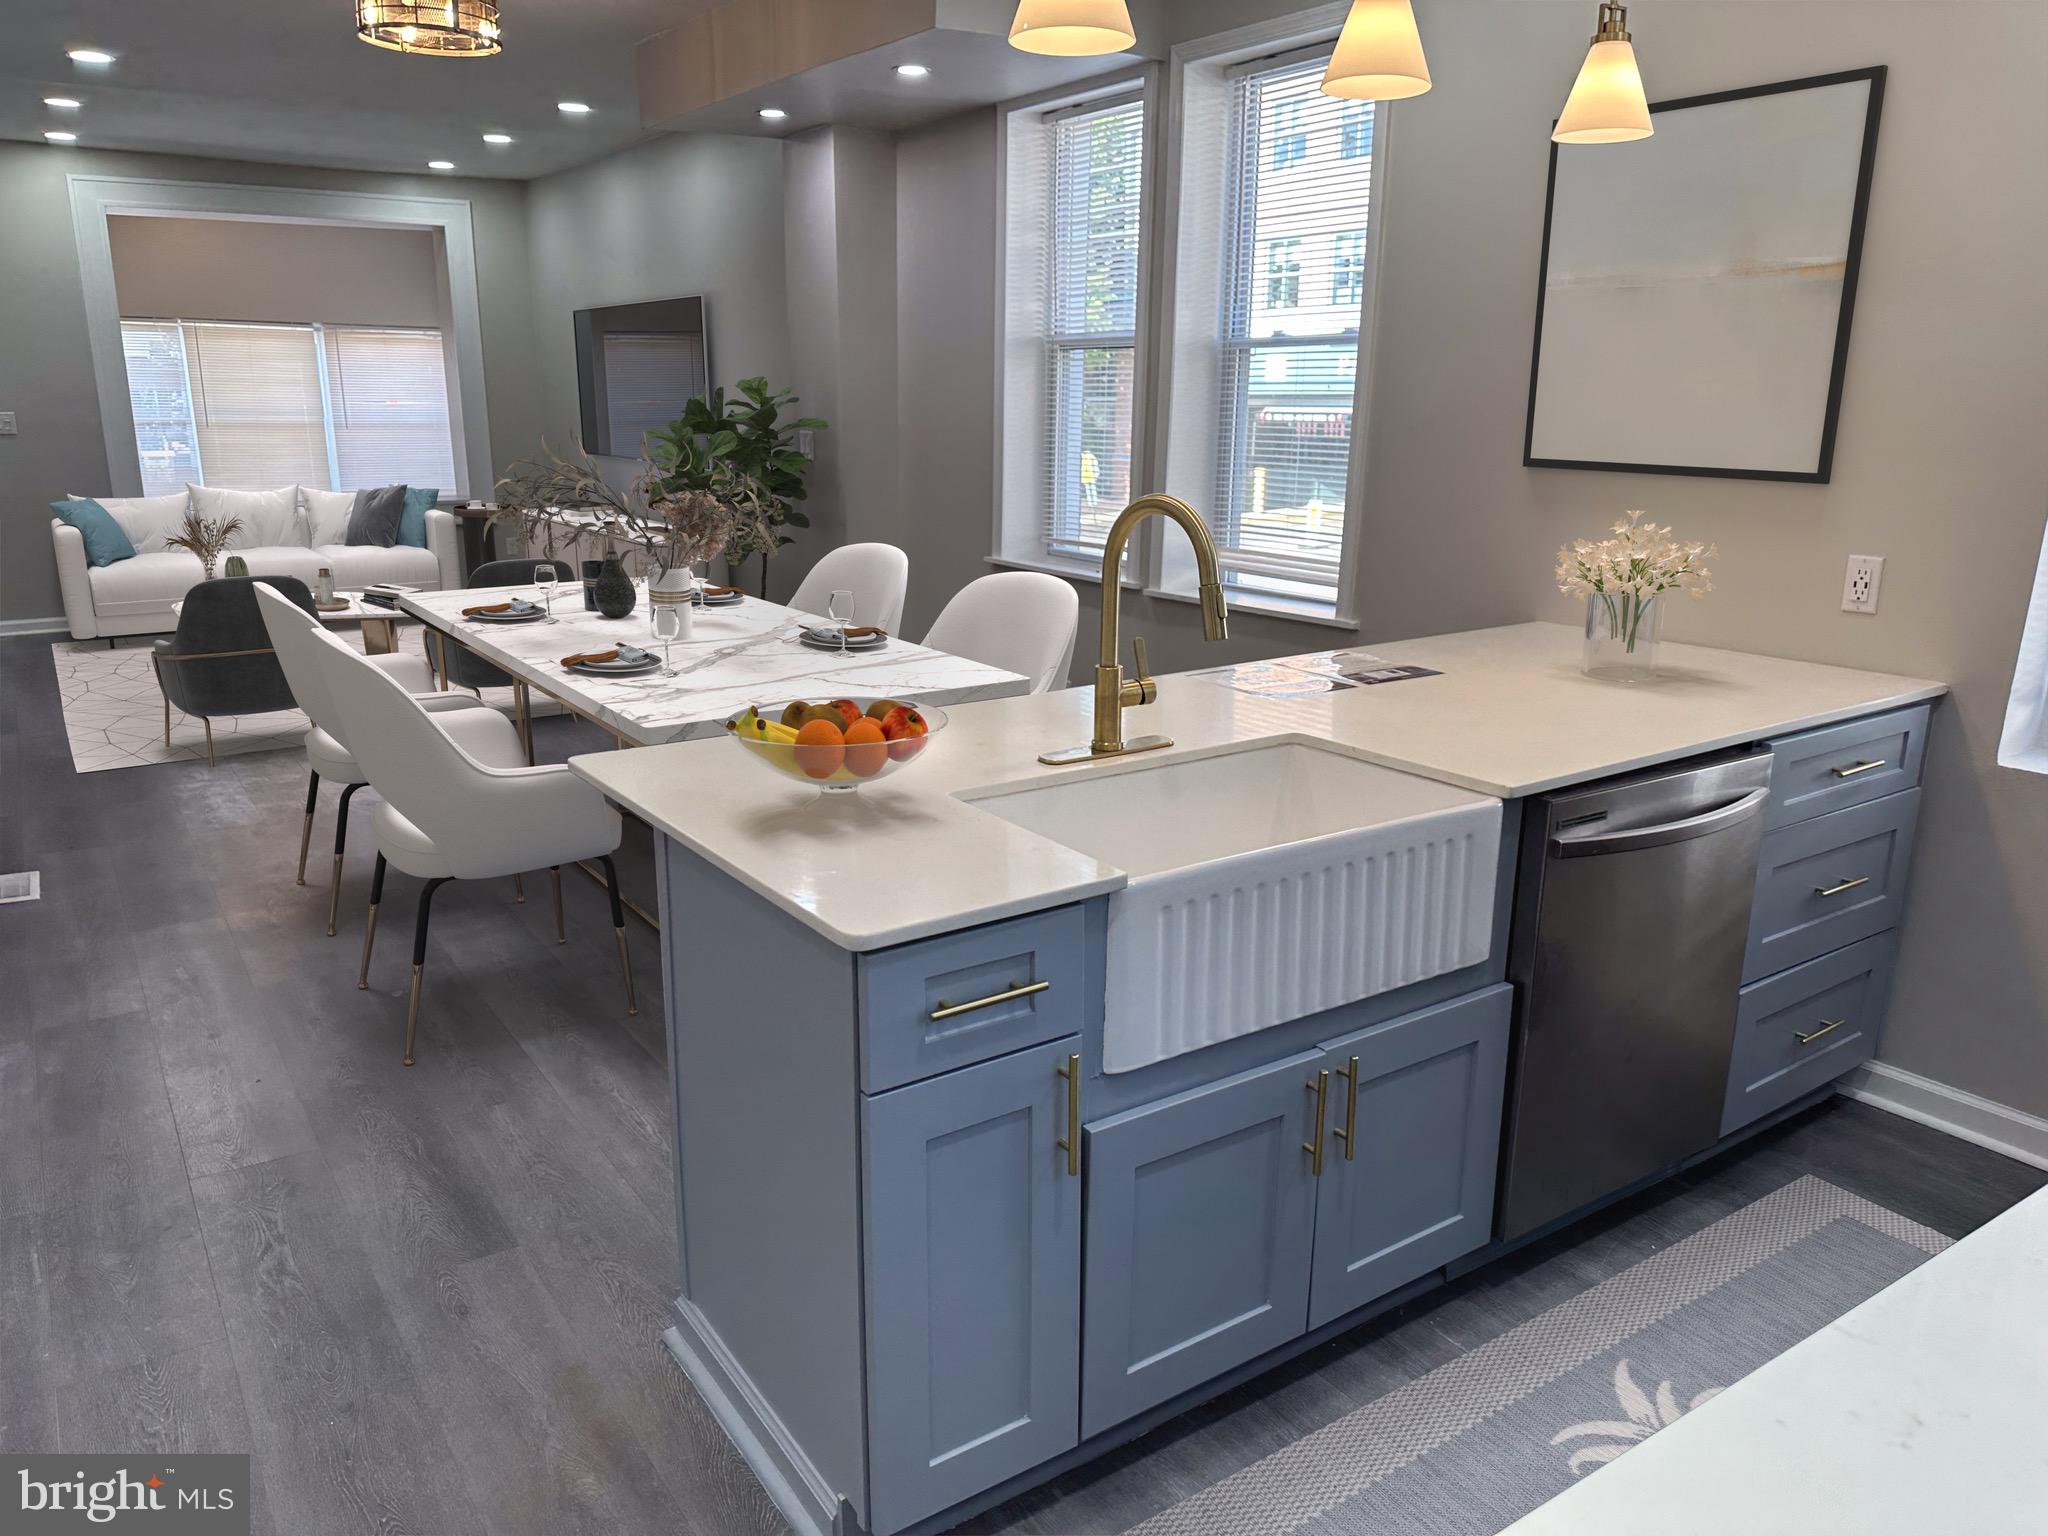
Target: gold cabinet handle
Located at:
point(1349, 1131)
point(1859, 766)
point(1829, 1026)
point(1321, 1089)
point(1840, 886)
point(1071, 1142)
point(947, 1010)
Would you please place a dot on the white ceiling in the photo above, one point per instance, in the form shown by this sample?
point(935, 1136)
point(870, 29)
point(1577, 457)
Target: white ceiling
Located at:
point(286, 80)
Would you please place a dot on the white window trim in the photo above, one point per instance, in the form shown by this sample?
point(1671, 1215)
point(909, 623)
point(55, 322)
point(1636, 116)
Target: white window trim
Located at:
point(2023, 743)
point(1276, 39)
point(93, 198)
point(1143, 84)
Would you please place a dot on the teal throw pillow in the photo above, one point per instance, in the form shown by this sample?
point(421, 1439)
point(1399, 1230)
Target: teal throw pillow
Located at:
point(412, 523)
point(105, 542)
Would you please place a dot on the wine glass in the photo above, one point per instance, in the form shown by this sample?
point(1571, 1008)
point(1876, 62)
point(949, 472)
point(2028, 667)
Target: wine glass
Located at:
point(839, 609)
point(668, 626)
point(544, 577)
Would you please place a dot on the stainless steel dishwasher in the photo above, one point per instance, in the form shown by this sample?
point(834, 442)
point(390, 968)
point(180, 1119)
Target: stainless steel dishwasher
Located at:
point(1631, 912)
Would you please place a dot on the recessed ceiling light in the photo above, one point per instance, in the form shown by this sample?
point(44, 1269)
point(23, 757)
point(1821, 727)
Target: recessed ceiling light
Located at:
point(913, 71)
point(773, 114)
point(497, 138)
point(440, 165)
point(576, 107)
point(59, 136)
point(62, 103)
point(89, 56)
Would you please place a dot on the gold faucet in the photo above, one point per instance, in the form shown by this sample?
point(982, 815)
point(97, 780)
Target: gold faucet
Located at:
point(1112, 693)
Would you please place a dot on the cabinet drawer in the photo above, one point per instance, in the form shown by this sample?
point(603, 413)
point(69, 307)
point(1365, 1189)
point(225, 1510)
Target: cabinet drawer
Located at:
point(1830, 881)
point(1805, 1028)
point(994, 989)
point(1838, 766)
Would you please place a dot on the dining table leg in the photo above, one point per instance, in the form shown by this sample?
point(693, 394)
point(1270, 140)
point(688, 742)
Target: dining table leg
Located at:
point(522, 706)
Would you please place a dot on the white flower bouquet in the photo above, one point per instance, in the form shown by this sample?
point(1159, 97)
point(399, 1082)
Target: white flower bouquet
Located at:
point(1622, 578)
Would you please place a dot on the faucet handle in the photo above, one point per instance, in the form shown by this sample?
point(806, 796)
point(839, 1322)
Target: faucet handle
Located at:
point(1138, 654)
point(1141, 687)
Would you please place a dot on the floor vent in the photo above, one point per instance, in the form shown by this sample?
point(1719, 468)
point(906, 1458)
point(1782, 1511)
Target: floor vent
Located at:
point(27, 886)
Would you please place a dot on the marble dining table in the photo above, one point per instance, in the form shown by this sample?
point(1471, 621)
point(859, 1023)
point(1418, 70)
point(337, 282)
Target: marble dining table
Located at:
point(744, 654)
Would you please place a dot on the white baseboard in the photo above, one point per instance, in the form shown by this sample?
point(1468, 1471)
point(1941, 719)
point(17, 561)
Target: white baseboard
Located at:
point(50, 626)
point(2010, 1131)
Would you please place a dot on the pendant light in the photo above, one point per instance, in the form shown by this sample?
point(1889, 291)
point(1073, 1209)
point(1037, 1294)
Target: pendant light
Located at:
point(1072, 29)
point(1606, 105)
point(448, 28)
point(1379, 54)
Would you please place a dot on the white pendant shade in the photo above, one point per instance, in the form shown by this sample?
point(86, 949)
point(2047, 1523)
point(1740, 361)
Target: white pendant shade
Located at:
point(1379, 54)
point(1606, 105)
point(1072, 28)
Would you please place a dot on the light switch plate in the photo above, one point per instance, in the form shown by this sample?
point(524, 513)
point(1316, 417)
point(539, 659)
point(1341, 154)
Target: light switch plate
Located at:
point(7, 428)
point(1859, 586)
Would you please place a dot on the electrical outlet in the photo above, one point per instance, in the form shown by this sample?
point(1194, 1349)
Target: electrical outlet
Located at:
point(806, 444)
point(7, 427)
point(1859, 587)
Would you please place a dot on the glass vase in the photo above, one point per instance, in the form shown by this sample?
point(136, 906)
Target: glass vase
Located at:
point(1621, 635)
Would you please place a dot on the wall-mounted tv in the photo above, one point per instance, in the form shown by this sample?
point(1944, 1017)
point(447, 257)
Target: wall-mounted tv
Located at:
point(636, 366)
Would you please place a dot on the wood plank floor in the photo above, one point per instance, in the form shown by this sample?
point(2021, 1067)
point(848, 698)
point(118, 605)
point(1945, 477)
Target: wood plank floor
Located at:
point(430, 1300)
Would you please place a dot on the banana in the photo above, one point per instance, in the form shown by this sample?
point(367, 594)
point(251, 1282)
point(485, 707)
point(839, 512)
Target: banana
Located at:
point(753, 727)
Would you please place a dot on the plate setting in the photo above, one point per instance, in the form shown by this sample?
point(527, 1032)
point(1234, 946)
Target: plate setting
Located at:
point(519, 611)
point(629, 661)
point(825, 638)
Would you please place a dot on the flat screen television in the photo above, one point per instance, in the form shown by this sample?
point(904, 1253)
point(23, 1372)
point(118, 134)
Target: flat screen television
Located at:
point(636, 366)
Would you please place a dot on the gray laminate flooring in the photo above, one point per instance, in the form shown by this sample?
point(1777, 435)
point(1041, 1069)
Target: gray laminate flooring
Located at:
point(430, 1300)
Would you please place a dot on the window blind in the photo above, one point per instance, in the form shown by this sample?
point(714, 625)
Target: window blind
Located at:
point(387, 391)
point(1298, 186)
point(1091, 307)
point(161, 403)
point(647, 381)
point(256, 404)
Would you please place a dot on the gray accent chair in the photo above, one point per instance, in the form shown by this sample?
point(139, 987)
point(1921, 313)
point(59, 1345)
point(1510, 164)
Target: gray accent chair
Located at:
point(219, 660)
point(470, 670)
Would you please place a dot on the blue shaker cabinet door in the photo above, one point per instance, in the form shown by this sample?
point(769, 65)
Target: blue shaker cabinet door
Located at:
point(1416, 1189)
point(973, 1229)
point(1201, 1214)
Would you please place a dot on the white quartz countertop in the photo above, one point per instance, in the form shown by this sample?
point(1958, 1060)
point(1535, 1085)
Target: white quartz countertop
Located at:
point(1919, 1411)
point(1510, 714)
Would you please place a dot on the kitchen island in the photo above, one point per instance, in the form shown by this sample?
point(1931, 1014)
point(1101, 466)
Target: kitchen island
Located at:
point(1009, 1124)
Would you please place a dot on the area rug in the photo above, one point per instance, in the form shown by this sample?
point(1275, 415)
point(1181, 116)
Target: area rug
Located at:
point(1482, 1440)
point(114, 711)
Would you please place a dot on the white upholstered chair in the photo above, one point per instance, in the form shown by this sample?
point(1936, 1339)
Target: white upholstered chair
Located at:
point(291, 629)
point(467, 809)
point(876, 574)
point(1021, 621)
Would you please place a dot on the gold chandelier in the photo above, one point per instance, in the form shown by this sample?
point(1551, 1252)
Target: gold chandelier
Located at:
point(450, 28)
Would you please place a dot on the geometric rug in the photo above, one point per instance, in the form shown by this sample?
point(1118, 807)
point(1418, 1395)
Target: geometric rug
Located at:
point(1480, 1441)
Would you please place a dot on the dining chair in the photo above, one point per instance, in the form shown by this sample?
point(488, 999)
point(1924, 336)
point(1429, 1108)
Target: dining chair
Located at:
point(468, 809)
point(470, 670)
point(1021, 621)
point(291, 629)
point(876, 574)
point(219, 660)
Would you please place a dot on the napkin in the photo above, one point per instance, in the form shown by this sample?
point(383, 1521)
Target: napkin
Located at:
point(487, 608)
point(626, 653)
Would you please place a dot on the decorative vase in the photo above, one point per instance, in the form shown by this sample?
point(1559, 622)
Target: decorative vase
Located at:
point(613, 590)
point(1621, 635)
point(592, 569)
point(236, 566)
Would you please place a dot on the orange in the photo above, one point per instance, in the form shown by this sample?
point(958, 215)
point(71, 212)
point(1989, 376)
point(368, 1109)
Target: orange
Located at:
point(866, 748)
point(820, 748)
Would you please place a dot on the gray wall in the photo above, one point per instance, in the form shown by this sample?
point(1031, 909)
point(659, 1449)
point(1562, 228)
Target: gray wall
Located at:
point(1941, 463)
point(46, 371)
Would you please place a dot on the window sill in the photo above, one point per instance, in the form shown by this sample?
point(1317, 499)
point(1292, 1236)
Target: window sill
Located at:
point(1074, 572)
point(1267, 606)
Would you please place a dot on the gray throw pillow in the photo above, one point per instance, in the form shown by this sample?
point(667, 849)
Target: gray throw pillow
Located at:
point(374, 517)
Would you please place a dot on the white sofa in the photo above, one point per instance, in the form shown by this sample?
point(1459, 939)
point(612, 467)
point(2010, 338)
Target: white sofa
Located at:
point(134, 596)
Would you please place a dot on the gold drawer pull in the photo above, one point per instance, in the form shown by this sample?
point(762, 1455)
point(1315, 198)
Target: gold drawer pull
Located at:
point(1829, 1026)
point(1858, 767)
point(947, 1010)
point(1819, 890)
point(1071, 1142)
point(1349, 1130)
point(1321, 1089)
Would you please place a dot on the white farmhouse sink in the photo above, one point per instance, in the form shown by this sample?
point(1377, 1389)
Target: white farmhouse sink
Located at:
point(1267, 883)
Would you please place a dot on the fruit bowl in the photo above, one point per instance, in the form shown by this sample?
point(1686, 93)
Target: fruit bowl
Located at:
point(836, 747)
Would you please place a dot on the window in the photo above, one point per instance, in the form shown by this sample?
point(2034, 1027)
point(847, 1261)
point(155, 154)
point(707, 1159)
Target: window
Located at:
point(255, 406)
point(1289, 337)
point(1347, 268)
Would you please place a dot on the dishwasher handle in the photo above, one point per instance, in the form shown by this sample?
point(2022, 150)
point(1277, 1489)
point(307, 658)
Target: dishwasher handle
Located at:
point(1719, 819)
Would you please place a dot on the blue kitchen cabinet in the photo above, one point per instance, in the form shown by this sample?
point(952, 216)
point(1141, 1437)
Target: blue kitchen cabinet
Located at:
point(972, 1222)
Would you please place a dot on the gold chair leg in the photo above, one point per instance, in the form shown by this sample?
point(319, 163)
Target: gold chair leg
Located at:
point(412, 1015)
point(334, 896)
point(519, 888)
point(369, 938)
point(561, 928)
point(208, 723)
point(626, 966)
point(305, 842)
